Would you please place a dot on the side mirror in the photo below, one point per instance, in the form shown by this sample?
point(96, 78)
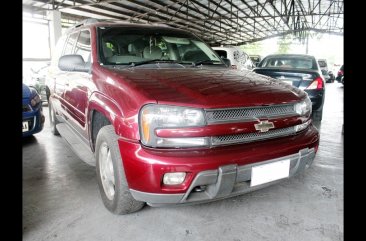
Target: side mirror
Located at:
point(227, 62)
point(73, 62)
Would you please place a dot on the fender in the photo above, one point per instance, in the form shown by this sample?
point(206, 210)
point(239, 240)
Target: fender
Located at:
point(125, 126)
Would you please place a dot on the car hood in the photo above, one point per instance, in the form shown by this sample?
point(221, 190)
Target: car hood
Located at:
point(208, 87)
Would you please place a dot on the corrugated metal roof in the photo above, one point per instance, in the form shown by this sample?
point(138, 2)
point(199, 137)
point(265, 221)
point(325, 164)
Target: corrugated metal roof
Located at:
point(217, 21)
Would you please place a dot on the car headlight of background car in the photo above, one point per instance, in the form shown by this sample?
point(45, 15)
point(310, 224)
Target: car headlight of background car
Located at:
point(35, 98)
point(304, 107)
point(154, 117)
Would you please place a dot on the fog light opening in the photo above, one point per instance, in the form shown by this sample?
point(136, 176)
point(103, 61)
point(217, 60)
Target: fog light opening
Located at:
point(200, 189)
point(174, 178)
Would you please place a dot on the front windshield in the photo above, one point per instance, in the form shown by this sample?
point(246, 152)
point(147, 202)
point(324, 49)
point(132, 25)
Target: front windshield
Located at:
point(126, 45)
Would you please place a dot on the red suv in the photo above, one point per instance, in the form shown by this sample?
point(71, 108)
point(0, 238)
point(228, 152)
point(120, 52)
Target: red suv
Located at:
point(166, 122)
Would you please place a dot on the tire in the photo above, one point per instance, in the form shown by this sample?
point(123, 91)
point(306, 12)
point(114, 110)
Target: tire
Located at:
point(53, 119)
point(112, 183)
point(318, 115)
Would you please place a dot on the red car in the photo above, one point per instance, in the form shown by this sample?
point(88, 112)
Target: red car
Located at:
point(166, 122)
point(340, 74)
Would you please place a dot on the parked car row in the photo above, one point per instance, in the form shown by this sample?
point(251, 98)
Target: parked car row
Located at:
point(36, 77)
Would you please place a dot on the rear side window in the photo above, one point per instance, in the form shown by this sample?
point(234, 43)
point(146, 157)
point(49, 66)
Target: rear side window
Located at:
point(83, 45)
point(289, 62)
point(70, 43)
point(221, 53)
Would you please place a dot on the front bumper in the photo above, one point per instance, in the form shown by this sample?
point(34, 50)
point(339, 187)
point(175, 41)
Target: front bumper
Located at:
point(226, 181)
point(35, 121)
point(145, 167)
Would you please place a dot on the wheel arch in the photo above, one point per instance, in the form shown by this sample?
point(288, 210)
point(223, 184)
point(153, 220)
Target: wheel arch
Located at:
point(105, 111)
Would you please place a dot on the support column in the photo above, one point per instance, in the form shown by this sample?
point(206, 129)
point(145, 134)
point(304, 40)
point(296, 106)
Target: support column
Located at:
point(54, 18)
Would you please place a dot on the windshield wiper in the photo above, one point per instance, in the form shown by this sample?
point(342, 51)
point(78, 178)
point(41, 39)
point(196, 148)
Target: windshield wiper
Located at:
point(204, 62)
point(133, 64)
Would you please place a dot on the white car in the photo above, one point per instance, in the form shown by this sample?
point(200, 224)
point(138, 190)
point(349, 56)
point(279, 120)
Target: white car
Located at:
point(238, 58)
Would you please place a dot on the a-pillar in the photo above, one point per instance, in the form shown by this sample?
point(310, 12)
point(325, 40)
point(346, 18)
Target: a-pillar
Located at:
point(54, 18)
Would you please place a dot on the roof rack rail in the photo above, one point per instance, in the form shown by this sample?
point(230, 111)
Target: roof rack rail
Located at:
point(86, 21)
point(94, 20)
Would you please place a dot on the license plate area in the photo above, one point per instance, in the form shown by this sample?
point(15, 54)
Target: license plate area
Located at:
point(270, 172)
point(25, 126)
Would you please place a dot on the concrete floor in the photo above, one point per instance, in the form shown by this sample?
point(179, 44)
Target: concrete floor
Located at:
point(61, 200)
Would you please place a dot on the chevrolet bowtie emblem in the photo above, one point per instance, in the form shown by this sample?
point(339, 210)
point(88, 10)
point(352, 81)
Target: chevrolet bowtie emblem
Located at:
point(264, 126)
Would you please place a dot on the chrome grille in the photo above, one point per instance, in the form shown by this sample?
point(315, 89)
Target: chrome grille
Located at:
point(254, 136)
point(248, 113)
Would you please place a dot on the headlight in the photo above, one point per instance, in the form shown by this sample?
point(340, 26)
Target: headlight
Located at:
point(304, 107)
point(36, 99)
point(153, 117)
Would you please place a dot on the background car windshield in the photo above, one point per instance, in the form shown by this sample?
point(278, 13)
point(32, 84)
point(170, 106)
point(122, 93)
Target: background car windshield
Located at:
point(287, 62)
point(121, 45)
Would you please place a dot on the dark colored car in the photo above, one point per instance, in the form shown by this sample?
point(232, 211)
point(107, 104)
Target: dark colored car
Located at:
point(301, 71)
point(331, 76)
point(33, 118)
point(166, 122)
point(340, 74)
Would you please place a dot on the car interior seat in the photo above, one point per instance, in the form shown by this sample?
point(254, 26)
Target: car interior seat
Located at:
point(152, 52)
point(135, 49)
point(107, 51)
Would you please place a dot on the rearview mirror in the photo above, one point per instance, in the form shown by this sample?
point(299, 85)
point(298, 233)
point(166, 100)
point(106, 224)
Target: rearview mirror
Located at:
point(73, 62)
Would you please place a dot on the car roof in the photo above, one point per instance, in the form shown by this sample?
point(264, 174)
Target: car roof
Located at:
point(290, 55)
point(117, 23)
point(226, 47)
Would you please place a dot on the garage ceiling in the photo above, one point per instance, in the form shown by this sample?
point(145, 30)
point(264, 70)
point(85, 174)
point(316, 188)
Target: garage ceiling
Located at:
point(233, 22)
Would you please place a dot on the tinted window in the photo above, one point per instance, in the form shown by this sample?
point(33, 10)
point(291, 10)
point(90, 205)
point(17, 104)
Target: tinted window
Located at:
point(289, 62)
point(221, 53)
point(83, 45)
point(70, 43)
point(123, 45)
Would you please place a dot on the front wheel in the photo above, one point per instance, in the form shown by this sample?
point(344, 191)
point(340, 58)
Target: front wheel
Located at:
point(111, 175)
